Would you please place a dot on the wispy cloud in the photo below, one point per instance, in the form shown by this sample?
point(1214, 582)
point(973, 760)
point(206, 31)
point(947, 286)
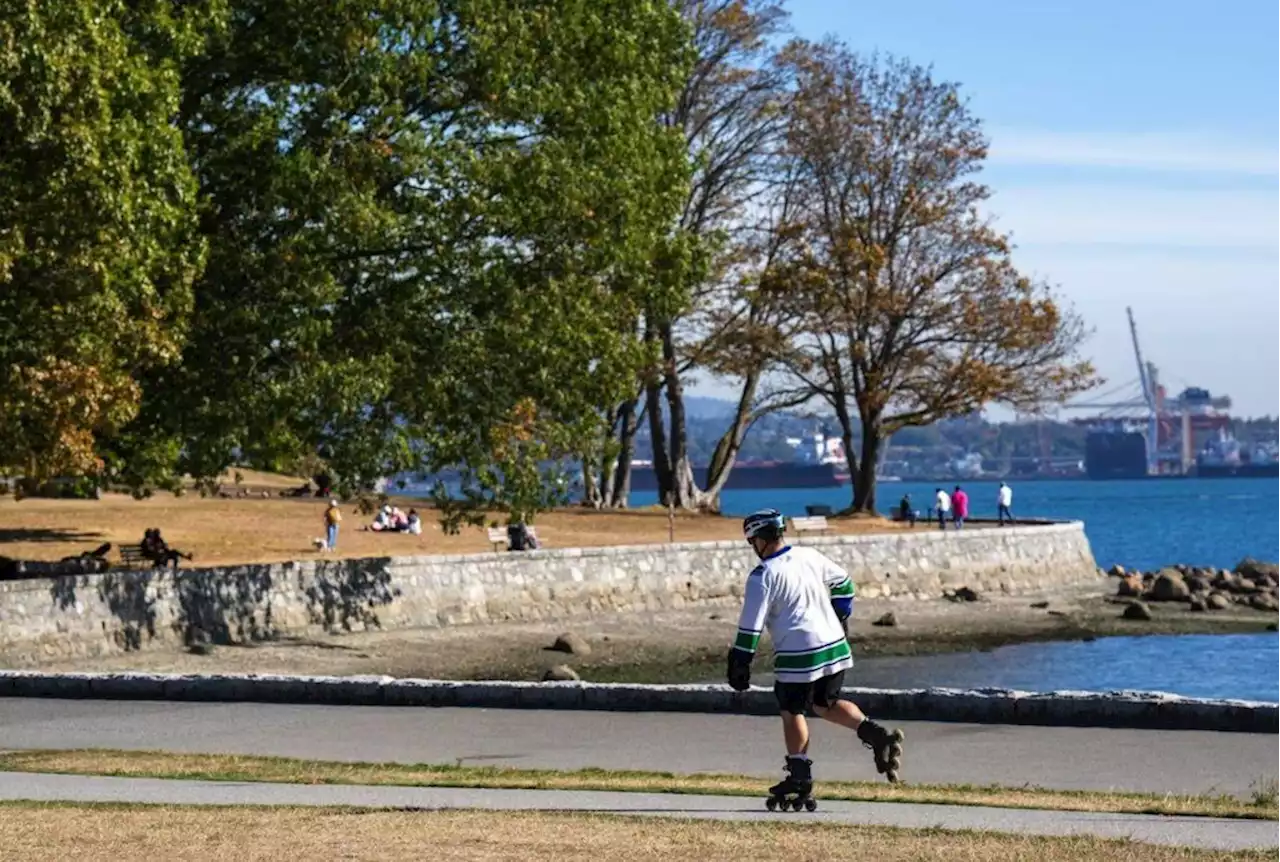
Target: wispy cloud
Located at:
point(1181, 153)
point(1118, 214)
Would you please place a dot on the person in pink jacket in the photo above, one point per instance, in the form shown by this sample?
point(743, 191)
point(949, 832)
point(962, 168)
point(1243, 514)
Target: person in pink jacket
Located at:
point(959, 507)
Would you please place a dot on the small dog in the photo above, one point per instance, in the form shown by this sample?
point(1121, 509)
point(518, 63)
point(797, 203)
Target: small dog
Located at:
point(319, 544)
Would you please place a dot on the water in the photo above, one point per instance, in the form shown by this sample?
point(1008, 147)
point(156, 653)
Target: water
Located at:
point(1217, 666)
point(1144, 524)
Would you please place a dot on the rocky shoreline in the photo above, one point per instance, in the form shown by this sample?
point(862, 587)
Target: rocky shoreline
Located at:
point(1251, 584)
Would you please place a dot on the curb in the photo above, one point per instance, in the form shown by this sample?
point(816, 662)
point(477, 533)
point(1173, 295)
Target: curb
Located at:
point(1117, 709)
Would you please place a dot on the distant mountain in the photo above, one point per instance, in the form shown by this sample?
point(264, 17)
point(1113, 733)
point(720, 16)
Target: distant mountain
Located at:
point(702, 407)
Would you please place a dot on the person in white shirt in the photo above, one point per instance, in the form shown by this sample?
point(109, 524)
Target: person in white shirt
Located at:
point(1004, 500)
point(805, 600)
point(942, 503)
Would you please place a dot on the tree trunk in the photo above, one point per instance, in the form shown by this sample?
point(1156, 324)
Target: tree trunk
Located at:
point(620, 487)
point(685, 491)
point(590, 490)
point(730, 443)
point(658, 435)
point(864, 486)
point(846, 440)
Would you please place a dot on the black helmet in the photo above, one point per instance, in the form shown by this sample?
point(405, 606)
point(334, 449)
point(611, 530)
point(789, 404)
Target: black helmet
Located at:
point(765, 520)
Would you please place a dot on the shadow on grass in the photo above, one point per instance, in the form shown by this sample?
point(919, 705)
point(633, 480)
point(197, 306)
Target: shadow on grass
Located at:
point(14, 535)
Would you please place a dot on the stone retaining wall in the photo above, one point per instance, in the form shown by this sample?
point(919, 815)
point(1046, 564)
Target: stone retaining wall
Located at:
point(97, 614)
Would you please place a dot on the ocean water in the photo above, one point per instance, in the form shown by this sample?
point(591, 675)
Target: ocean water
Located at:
point(1240, 666)
point(1141, 524)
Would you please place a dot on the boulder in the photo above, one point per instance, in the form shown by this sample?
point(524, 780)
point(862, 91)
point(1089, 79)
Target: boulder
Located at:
point(1246, 585)
point(888, 619)
point(1198, 603)
point(1258, 571)
point(1117, 571)
point(1136, 611)
point(1263, 602)
point(1169, 587)
point(560, 673)
point(1130, 585)
point(963, 594)
point(573, 644)
point(1217, 601)
point(1198, 583)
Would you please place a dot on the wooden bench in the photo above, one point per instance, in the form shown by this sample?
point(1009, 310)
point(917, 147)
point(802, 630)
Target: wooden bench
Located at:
point(498, 537)
point(132, 558)
point(814, 524)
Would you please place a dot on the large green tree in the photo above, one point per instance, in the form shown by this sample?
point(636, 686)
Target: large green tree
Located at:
point(422, 217)
point(98, 237)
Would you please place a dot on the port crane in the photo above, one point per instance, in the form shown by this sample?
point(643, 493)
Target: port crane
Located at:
point(1149, 408)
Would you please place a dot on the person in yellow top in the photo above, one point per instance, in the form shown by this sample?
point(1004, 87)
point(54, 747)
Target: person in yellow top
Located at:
point(332, 517)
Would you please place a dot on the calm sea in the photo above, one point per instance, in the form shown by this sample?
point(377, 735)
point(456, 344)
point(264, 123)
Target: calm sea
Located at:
point(1142, 524)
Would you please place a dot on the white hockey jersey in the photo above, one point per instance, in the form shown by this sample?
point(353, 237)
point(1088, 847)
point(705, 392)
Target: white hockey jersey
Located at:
point(791, 593)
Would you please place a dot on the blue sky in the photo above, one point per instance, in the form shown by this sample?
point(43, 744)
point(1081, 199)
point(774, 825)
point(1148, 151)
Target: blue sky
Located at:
point(1133, 158)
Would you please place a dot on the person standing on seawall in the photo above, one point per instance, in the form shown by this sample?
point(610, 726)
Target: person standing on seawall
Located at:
point(959, 507)
point(332, 517)
point(1004, 502)
point(942, 504)
point(806, 600)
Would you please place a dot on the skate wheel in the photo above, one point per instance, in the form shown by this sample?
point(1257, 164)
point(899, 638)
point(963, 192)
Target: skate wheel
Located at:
point(771, 804)
point(811, 805)
point(795, 804)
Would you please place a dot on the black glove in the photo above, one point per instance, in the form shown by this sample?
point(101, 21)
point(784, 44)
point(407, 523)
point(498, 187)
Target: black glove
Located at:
point(739, 672)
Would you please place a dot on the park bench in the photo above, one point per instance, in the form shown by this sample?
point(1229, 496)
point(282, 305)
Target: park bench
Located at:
point(814, 524)
point(131, 557)
point(498, 537)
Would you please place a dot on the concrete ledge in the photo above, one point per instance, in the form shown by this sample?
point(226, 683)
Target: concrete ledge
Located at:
point(1127, 709)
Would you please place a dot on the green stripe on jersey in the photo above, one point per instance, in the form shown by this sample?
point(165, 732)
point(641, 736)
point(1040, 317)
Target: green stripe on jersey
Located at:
point(843, 589)
point(811, 660)
point(746, 641)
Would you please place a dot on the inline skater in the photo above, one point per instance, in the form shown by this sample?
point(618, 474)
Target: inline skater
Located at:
point(805, 600)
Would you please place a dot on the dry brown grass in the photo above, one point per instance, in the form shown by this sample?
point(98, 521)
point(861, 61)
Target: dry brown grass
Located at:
point(58, 831)
point(221, 767)
point(220, 531)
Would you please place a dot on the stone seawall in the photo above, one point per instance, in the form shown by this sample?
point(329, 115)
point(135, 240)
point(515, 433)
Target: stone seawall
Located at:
point(115, 611)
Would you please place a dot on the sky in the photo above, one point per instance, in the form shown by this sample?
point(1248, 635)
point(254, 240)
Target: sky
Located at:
point(1134, 155)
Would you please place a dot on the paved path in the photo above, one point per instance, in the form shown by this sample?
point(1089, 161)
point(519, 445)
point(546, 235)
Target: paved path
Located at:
point(1193, 831)
point(1066, 758)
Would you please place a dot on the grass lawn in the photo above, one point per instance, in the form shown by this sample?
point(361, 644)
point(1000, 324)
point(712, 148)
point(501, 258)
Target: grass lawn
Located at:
point(78, 831)
point(254, 529)
point(287, 770)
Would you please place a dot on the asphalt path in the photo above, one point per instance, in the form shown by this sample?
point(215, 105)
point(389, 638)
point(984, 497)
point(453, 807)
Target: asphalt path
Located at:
point(1190, 831)
point(1181, 762)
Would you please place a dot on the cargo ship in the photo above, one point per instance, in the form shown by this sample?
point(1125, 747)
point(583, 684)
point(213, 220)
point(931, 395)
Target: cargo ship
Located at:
point(1224, 457)
point(1112, 454)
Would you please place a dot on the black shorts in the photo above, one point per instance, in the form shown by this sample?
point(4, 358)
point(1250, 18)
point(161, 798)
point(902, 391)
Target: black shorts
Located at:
point(798, 698)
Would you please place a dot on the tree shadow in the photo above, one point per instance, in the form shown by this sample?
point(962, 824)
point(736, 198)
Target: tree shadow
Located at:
point(348, 592)
point(234, 606)
point(129, 597)
point(225, 607)
point(14, 535)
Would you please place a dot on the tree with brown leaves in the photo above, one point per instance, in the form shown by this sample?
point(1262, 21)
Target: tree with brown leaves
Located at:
point(908, 306)
point(731, 113)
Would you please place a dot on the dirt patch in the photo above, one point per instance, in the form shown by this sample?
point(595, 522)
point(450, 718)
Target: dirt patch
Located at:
point(255, 530)
point(171, 832)
point(673, 646)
